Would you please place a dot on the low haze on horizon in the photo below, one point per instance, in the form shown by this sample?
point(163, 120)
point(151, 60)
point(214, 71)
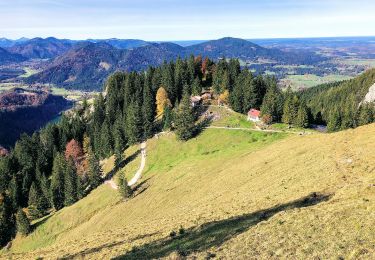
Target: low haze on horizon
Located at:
point(177, 20)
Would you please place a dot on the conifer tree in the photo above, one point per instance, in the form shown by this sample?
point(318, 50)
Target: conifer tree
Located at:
point(196, 87)
point(70, 184)
point(148, 109)
point(273, 103)
point(23, 223)
point(15, 192)
point(134, 129)
point(6, 219)
point(119, 141)
point(288, 116)
point(167, 118)
point(95, 171)
point(334, 121)
point(365, 114)
point(184, 120)
point(124, 189)
point(35, 207)
point(302, 119)
point(57, 181)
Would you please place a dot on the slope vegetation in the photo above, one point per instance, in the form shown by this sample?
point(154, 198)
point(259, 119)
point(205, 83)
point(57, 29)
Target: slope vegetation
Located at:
point(231, 194)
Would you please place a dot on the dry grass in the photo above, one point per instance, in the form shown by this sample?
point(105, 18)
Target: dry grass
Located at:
point(237, 195)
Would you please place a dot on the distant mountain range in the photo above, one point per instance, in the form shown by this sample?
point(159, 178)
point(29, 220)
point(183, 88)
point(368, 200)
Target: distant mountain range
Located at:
point(86, 64)
point(7, 57)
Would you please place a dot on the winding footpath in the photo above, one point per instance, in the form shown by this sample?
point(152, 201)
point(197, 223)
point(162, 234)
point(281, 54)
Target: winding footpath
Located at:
point(137, 175)
point(255, 129)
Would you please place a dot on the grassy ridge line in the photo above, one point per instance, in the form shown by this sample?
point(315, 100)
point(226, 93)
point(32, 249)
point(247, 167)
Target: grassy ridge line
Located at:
point(164, 154)
point(223, 175)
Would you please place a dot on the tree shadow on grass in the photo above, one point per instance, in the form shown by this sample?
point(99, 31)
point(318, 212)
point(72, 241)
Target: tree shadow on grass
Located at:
point(121, 165)
point(216, 233)
point(41, 221)
point(104, 246)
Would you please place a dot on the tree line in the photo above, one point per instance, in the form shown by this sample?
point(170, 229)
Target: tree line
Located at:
point(58, 165)
point(340, 105)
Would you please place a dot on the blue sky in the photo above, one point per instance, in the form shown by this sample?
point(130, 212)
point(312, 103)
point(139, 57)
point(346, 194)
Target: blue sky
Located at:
point(186, 20)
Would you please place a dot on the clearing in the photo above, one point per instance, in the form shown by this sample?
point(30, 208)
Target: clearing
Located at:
point(226, 194)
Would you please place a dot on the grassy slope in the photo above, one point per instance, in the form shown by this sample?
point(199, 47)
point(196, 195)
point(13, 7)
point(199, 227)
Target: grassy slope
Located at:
point(224, 174)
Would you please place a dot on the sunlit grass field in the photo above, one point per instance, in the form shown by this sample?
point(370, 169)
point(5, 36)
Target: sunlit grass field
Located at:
point(297, 82)
point(234, 194)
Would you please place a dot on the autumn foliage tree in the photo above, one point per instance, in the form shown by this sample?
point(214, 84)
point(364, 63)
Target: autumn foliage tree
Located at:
point(73, 150)
point(162, 101)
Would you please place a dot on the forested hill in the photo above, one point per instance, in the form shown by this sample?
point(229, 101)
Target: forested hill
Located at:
point(341, 104)
point(39, 48)
point(87, 66)
point(238, 48)
point(7, 57)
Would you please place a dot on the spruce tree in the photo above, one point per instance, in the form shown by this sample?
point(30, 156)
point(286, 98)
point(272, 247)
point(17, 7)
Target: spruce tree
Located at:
point(124, 189)
point(106, 140)
point(167, 118)
point(273, 103)
point(23, 223)
point(70, 184)
point(196, 88)
point(184, 120)
point(95, 171)
point(134, 129)
point(334, 121)
point(288, 116)
point(7, 224)
point(119, 141)
point(148, 109)
point(35, 207)
point(302, 119)
point(57, 181)
point(365, 114)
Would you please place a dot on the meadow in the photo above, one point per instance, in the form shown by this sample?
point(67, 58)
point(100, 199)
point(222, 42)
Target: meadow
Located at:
point(225, 194)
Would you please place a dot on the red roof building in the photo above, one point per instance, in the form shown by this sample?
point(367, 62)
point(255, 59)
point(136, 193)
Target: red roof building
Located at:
point(253, 115)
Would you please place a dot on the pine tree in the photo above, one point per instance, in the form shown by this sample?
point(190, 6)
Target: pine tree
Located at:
point(23, 223)
point(7, 224)
point(106, 140)
point(134, 124)
point(196, 87)
point(15, 192)
point(167, 118)
point(57, 181)
point(302, 119)
point(95, 171)
point(124, 189)
point(35, 207)
point(273, 103)
point(184, 120)
point(236, 95)
point(148, 108)
point(70, 184)
point(119, 141)
point(334, 121)
point(365, 114)
point(288, 117)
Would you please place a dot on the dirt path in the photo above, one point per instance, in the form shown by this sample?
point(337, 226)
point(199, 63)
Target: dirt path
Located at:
point(137, 175)
point(255, 129)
